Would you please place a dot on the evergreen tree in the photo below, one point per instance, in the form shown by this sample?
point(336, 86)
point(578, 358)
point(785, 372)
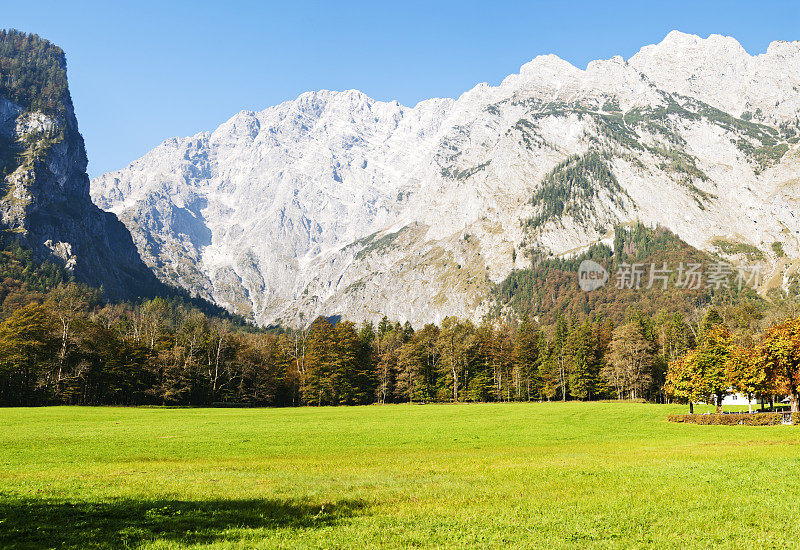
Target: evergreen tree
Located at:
point(528, 360)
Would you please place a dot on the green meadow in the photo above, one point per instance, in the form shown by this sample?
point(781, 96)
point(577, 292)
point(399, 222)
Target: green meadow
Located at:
point(526, 475)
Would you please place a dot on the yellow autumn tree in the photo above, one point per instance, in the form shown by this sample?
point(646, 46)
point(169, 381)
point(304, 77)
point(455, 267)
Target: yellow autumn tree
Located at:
point(779, 352)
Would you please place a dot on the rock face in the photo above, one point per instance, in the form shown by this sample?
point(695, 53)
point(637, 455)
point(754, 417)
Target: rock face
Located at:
point(45, 190)
point(335, 203)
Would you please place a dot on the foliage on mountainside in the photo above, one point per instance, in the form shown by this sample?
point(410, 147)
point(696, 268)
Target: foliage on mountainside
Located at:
point(20, 274)
point(570, 188)
point(33, 72)
point(750, 252)
point(8, 153)
point(550, 287)
point(63, 344)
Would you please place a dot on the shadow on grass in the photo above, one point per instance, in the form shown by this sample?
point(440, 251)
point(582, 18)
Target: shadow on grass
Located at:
point(128, 523)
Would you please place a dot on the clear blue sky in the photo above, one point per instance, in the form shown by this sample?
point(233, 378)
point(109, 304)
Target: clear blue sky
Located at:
point(141, 72)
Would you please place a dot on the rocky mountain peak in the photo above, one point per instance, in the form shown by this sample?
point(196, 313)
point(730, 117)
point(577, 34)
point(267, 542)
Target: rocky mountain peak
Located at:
point(44, 189)
point(718, 71)
point(335, 203)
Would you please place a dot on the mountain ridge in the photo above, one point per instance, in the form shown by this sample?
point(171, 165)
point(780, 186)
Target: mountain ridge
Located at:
point(336, 203)
point(45, 199)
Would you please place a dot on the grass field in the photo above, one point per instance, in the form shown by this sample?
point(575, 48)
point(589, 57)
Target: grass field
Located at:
point(540, 475)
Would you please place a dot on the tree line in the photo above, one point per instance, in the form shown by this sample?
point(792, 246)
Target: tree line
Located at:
point(68, 346)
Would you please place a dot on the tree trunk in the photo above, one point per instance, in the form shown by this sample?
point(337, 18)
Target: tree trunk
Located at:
point(455, 383)
point(691, 407)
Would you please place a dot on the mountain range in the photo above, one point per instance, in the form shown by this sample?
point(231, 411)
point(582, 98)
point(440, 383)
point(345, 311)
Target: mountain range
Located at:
point(335, 203)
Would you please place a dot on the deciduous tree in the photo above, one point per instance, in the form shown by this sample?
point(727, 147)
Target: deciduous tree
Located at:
point(779, 351)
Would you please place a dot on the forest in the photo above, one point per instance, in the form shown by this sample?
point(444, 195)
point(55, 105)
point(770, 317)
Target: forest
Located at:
point(33, 72)
point(63, 343)
point(68, 348)
point(547, 288)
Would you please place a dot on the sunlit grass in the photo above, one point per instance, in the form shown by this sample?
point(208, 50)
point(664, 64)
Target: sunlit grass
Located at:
point(544, 475)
